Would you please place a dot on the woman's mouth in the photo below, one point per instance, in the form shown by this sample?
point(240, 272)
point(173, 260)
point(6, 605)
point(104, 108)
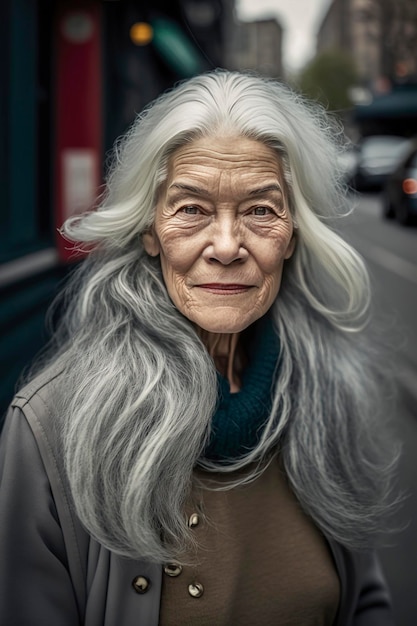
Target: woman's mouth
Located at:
point(225, 289)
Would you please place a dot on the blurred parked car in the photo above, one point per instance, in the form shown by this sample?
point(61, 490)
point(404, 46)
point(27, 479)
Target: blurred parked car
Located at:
point(400, 192)
point(376, 158)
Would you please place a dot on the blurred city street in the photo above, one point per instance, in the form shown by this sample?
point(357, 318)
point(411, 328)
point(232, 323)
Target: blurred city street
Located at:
point(390, 251)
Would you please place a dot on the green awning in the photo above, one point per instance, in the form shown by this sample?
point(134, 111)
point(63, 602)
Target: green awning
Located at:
point(176, 48)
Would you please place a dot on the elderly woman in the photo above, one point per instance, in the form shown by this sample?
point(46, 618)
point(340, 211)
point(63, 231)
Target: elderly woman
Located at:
point(203, 446)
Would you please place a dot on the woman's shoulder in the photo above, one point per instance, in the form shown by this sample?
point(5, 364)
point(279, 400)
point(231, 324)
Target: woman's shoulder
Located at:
point(42, 390)
point(32, 449)
point(40, 402)
point(36, 409)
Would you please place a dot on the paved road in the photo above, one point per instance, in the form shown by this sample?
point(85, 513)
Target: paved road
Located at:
point(391, 253)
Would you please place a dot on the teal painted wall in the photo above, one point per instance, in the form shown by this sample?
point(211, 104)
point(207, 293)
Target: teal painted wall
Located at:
point(22, 326)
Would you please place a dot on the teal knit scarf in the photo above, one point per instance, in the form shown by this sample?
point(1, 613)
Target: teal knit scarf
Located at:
point(239, 417)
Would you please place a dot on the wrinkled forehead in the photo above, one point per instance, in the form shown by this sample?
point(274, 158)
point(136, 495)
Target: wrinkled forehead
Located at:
point(223, 156)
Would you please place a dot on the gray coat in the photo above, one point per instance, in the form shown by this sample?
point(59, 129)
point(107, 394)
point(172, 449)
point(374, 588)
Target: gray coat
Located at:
point(52, 573)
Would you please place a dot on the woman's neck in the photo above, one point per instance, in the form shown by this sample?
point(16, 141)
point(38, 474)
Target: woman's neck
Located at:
point(227, 354)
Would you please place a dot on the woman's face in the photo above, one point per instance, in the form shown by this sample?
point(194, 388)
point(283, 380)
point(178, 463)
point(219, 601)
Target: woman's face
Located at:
point(223, 231)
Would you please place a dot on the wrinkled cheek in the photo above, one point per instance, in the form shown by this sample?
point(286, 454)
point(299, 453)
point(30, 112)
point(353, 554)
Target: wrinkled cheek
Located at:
point(273, 285)
point(177, 259)
point(175, 284)
point(273, 259)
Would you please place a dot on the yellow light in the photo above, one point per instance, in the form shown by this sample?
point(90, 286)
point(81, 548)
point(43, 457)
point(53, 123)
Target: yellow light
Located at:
point(141, 33)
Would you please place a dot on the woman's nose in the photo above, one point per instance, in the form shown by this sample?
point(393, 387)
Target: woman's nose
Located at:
point(225, 244)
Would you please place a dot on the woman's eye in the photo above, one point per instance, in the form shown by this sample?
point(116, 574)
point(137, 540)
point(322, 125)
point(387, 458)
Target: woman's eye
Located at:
point(190, 210)
point(261, 210)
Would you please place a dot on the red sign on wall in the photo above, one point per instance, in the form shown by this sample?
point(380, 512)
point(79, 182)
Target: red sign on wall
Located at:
point(78, 112)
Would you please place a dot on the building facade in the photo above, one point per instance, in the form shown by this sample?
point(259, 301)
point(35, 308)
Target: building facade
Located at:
point(381, 36)
point(257, 46)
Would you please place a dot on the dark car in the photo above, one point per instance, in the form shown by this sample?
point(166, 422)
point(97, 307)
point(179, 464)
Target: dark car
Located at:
point(400, 192)
point(376, 158)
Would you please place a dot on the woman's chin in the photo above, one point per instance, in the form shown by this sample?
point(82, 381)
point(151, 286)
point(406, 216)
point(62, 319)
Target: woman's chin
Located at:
point(224, 326)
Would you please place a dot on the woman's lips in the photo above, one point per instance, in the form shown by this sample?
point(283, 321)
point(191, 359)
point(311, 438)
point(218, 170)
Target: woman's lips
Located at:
point(225, 289)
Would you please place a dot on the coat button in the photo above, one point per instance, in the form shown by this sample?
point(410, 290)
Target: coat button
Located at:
point(194, 520)
point(196, 590)
point(172, 569)
point(141, 584)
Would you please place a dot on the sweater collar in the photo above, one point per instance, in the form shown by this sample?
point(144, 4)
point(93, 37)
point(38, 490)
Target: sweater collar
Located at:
point(237, 423)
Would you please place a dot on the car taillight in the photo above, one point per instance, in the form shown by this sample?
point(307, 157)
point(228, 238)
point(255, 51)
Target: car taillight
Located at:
point(409, 186)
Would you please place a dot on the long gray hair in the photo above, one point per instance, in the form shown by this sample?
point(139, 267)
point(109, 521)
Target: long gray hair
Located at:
point(139, 389)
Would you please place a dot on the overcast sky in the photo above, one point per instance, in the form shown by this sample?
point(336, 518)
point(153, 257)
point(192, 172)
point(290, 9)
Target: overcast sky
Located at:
point(299, 18)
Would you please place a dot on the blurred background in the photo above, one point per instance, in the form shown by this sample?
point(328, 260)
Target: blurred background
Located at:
point(73, 75)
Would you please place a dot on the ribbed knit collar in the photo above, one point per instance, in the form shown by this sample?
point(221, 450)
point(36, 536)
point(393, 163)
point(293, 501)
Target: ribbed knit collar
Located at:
point(239, 417)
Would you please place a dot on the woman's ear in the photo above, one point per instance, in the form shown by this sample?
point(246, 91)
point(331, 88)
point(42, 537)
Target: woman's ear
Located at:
point(151, 242)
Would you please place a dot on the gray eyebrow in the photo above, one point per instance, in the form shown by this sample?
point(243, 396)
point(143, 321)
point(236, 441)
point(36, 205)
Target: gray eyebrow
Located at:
point(262, 190)
point(197, 190)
